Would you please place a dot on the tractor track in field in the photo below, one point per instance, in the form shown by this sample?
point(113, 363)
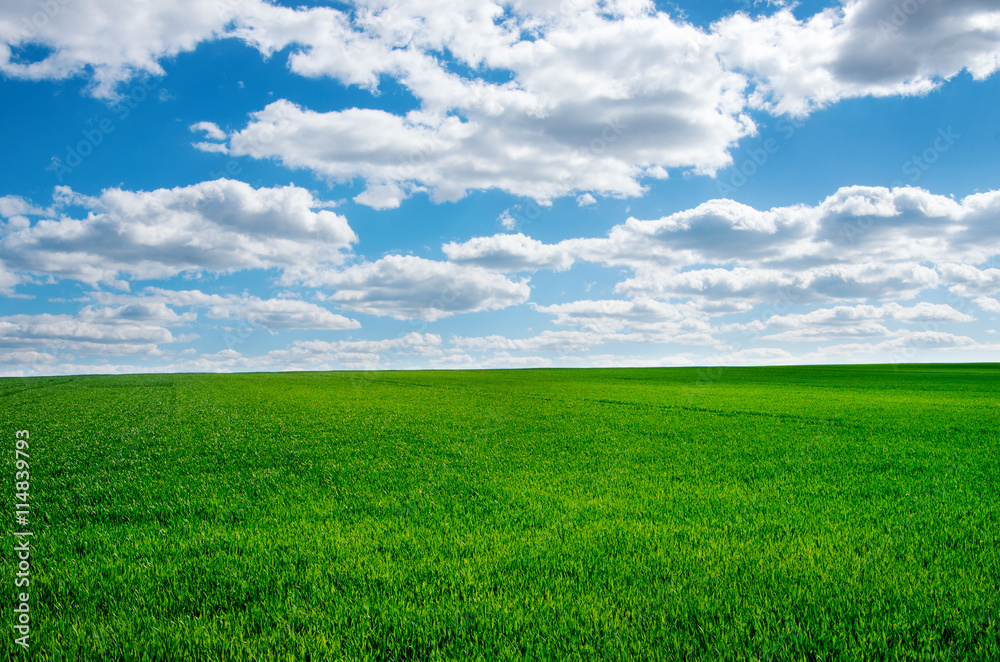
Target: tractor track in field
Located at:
point(812, 420)
point(805, 419)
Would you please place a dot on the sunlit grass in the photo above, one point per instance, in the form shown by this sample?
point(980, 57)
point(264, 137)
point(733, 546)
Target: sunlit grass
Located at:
point(775, 513)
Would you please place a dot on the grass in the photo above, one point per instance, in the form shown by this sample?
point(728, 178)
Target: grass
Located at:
point(820, 513)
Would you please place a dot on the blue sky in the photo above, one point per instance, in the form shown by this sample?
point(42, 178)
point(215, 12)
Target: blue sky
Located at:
point(243, 185)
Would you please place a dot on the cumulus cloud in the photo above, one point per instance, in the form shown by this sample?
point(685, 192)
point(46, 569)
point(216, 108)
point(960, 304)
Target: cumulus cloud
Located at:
point(859, 243)
point(860, 48)
point(542, 99)
point(358, 354)
point(988, 304)
point(508, 252)
point(596, 100)
point(136, 311)
point(861, 321)
point(218, 226)
point(854, 224)
point(271, 314)
point(91, 332)
point(834, 283)
point(14, 206)
point(753, 356)
point(905, 347)
point(109, 41)
point(8, 280)
point(210, 129)
point(589, 104)
point(969, 281)
point(639, 320)
point(547, 341)
point(852, 315)
point(815, 334)
point(409, 287)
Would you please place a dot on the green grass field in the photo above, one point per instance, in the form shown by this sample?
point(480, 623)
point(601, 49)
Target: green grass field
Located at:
point(814, 513)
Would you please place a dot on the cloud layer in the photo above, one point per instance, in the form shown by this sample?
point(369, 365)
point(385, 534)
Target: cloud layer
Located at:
point(862, 266)
point(860, 243)
point(218, 226)
point(539, 100)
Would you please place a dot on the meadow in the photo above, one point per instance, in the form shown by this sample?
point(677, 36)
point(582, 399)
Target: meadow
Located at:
point(798, 513)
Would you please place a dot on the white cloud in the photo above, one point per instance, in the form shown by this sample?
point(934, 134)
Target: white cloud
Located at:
point(282, 314)
point(855, 224)
point(625, 361)
point(814, 334)
point(136, 310)
point(860, 321)
point(381, 196)
point(217, 148)
point(423, 344)
point(542, 101)
point(454, 361)
point(13, 206)
point(7, 280)
point(548, 99)
point(358, 354)
point(109, 41)
point(409, 287)
point(970, 281)
point(218, 226)
point(859, 243)
point(547, 341)
point(571, 117)
point(988, 304)
point(271, 314)
point(854, 315)
point(300, 355)
point(753, 356)
point(111, 333)
point(909, 346)
point(640, 320)
point(834, 283)
point(210, 129)
point(26, 358)
point(596, 101)
point(502, 360)
point(506, 220)
point(508, 252)
point(862, 48)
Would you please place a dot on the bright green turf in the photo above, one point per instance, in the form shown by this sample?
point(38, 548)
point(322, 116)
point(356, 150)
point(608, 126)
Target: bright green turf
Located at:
point(812, 513)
